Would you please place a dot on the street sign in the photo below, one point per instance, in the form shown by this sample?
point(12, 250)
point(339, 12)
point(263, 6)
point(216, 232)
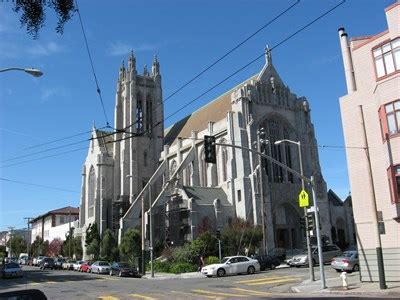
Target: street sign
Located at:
point(303, 199)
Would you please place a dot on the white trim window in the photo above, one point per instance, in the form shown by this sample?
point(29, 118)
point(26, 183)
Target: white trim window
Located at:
point(387, 58)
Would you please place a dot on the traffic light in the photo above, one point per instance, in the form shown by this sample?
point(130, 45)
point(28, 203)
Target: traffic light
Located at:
point(218, 234)
point(209, 149)
point(310, 221)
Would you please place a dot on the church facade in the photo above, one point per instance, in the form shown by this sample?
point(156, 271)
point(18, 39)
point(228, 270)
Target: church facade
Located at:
point(142, 164)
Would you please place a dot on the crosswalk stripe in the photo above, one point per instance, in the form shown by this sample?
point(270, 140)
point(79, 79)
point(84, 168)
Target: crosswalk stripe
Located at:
point(142, 297)
point(255, 293)
point(263, 278)
point(272, 281)
point(34, 283)
point(107, 298)
point(191, 295)
point(218, 293)
point(51, 281)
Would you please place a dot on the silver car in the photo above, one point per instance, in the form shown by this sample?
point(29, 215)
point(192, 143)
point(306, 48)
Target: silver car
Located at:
point(100, 267)
point(232, 265)
point(347, 261)
point(328, 252)
point(11, 269)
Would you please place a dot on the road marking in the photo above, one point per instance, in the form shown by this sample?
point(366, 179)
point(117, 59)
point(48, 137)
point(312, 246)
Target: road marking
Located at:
point(191, 295)
point(256, 293)
point(142, 297)
point(34, 283)
point(108, 298)
point(218, 293)
point(51, 281)
point(263, 278)
point(272, 281)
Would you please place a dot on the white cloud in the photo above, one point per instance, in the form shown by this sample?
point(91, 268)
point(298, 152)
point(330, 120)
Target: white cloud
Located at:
point(50, 93)
point(45, 49)
point(120, 48)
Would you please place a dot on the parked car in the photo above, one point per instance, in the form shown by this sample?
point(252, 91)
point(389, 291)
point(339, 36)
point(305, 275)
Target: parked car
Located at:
point(24, 260)
point(86, 266)
point(328, 252)
point(69, 264)
point(232, 265)
point(347, 261)
point(11, 269)
point(77, 265)
point(39, 260)
point(123, 269)
point(267, 261)
point(292, 253)
point(58, 262)
point(47, 263)
point(100, 267)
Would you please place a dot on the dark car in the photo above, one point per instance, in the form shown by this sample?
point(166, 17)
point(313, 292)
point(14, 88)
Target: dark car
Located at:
point(11, 269)
point(47, 263)
point(58, 263)
point(267, 261)
point(123, 269)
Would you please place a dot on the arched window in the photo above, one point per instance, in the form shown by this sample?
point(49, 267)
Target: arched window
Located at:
point(274, 132)
point(224, 166)
point(149, 113)
point(173, 167)
point(139, 115)
point(91, 192)
point(203, 169)
point(288, 154)
point(189, 174)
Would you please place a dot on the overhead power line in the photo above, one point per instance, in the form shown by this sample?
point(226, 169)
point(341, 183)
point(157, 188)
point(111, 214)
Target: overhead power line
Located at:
point(239, 70)
point(38, 185)
point(91, 62)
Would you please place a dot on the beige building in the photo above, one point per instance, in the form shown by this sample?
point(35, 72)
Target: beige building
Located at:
point(371, 120)
point(54, 224)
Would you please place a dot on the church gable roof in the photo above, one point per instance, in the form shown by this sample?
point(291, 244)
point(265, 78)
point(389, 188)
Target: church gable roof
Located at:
point(105, 139)
point(334, 199)
point(214, 111)
point(206, 195)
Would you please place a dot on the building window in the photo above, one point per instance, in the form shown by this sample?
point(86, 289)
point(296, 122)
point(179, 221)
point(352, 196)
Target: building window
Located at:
point(62, 220)
point(91, 192)
point(203, 169)
point(394, 183)
point(239, 195)
point(387, 58)
point(390, 118)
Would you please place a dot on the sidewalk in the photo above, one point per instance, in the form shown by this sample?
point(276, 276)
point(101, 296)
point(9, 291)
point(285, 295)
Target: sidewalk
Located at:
point(162, 276)
point(355, 287)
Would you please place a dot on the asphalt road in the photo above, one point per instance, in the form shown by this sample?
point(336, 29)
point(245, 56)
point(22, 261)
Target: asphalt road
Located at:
point(58, 284)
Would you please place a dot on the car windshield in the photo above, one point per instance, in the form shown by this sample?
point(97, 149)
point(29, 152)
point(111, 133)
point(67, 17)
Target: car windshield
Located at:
point(123, 265)
point(347, 254)
point(224, 260)
point(103, 263)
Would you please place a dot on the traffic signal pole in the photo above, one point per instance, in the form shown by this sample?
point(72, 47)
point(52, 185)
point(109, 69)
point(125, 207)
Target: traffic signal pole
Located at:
point(306, 179)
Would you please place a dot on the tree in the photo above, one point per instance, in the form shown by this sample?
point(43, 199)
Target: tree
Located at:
point(239, 235)
point(109, 247)
point(131, 244)
point(77, 247)
point(54, 248)
point(17, 244)
point(92, 241)
point(39, 247)
point(2, 251)
point(34, 14)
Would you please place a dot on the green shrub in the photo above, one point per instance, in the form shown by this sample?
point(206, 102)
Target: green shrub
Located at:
point(211, 260)
point(182, 268)
point(159, 266)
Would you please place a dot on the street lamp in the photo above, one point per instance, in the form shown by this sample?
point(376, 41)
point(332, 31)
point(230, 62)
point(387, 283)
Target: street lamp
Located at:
point(310, 262)
point(34, 72)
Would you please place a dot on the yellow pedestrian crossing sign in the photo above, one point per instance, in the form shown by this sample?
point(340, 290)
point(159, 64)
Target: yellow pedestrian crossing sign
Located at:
point(303, 199)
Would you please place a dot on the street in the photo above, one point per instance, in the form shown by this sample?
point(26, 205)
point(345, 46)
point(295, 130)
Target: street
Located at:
point(57, 284)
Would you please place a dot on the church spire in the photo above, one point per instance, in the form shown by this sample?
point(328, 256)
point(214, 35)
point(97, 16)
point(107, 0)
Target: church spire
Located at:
point(155, 69)
point(131, 61)
point(145, 72)
point(122, 71)
point(268, 56)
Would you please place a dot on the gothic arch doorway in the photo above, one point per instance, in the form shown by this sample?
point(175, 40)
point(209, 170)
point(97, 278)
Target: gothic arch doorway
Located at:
point(288, 233)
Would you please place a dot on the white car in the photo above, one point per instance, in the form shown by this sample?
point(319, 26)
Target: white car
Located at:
point(232, 265)
point(77, 265)
point(100, 267)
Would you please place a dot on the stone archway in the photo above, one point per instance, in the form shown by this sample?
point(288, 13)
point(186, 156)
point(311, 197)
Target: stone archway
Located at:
point(288, 234)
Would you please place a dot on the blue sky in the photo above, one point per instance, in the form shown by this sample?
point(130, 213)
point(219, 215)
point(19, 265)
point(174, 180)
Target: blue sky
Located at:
point(186, 36)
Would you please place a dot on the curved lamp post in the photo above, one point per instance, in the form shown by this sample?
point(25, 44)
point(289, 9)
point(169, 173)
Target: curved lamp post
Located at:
point(32, 71)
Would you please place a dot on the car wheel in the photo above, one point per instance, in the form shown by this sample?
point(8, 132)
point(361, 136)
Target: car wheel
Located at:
point(251, 270)
point(272, 267)
point(356, 268)
point(120, 274)
point(221, 272)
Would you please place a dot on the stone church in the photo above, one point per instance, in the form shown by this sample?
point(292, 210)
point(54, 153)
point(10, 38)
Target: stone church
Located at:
point(141, 163)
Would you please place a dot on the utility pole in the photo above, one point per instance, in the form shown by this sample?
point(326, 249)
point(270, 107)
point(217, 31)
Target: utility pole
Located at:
point(28, 244)
point(143, 241)
point(261, 133)
point(11, 228)
point(151, 234)
point(70, 237)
